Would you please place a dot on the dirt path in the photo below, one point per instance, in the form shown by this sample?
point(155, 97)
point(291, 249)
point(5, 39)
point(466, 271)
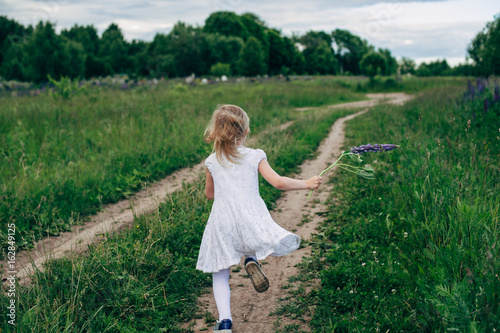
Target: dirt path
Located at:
point(118, 216)
point(251, 310)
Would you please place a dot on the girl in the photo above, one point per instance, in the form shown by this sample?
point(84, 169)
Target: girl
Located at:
point(239, 223)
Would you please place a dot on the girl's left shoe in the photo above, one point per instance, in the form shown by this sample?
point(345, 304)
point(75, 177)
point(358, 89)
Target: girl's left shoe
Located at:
point(224, 325)
point(257, 276)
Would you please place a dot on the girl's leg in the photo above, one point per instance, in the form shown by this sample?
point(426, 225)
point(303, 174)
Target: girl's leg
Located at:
point(222, 293)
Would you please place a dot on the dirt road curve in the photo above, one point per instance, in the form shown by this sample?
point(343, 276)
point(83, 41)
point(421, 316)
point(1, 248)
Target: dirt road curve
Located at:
point(118, 216)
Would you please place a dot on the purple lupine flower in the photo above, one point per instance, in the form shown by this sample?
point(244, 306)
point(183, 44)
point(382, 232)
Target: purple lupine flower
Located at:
point(486, 105)
point(496, 96)
point(469, 93)
point(372, 148)
point(480, 86)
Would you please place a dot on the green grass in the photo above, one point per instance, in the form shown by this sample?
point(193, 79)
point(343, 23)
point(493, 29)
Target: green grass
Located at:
point(144, 279)
point(417, 249)
point(61, 160)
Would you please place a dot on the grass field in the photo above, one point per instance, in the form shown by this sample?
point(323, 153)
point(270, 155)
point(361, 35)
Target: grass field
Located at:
point(417, 249)
point(144, 279)
point(61, 160)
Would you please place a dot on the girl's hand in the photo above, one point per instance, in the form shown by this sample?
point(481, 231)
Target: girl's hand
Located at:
point(314, 182)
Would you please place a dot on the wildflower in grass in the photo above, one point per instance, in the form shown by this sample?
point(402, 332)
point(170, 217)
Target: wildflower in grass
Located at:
point(481, 86)
point(393, 291)
point(363, 264)
point(496, 96)
point(486, 105)
point(372, 148)
point(367, 171)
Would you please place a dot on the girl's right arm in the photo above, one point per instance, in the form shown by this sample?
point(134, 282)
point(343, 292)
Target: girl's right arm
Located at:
point(285, 183)
point(209, 185)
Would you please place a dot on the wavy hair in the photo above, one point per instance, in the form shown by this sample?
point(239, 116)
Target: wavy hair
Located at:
point(228, 125)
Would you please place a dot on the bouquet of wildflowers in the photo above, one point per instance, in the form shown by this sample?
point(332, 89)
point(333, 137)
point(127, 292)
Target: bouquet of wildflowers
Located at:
point(366, 172)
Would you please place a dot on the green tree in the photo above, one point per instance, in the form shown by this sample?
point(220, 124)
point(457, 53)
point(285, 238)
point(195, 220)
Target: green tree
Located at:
point(222, 49)
point(392, 64)
point(13, 38)
point(279, 54)
point(74, 61)
point(318, 54)
point(11, 33)
point(434, 68)
point(220, 69)
point(113, 50)
point(350, 51)
point(257, 28)
point(298, 65)
point(484, 49)
point(137, 53)
point(46, 53)
point(226, 23)
point(180, 53)
point(406, 66)
point(87, 36)
point(373, 63)
point(252, 58)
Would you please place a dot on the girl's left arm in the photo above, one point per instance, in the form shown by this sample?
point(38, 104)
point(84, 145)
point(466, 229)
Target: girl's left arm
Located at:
point(209, 185)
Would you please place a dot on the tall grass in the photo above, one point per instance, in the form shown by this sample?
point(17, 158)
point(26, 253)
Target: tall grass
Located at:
point(61, 160)
point(417, 249)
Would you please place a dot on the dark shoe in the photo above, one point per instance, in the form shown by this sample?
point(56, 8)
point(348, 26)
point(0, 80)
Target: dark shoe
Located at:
point(257, 276)
point(224, 325)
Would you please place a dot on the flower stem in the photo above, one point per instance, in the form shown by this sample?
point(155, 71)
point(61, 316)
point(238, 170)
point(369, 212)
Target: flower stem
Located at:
point(322, 172)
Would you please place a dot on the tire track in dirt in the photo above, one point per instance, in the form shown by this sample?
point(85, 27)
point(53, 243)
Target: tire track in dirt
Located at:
point(119, 216)
point(251, 310)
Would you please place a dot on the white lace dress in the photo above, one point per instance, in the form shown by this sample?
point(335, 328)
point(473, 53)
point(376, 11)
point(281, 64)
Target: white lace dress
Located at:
point(240, 223)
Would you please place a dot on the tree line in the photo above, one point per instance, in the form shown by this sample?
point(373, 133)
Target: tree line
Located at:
point(228, 44)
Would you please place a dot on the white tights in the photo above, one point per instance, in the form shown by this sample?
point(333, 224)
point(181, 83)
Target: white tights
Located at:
point(222, 292)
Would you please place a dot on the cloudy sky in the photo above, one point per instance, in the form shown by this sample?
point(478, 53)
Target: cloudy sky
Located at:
point(423, 30)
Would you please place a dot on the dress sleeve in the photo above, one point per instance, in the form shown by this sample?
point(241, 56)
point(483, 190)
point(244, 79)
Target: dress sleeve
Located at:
point(209, 163)
point(259, 156)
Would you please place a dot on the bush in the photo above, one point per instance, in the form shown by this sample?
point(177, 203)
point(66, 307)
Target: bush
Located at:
point(220, 69)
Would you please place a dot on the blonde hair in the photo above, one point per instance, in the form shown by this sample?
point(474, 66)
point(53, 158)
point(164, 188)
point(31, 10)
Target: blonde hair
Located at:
point(228, 125)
